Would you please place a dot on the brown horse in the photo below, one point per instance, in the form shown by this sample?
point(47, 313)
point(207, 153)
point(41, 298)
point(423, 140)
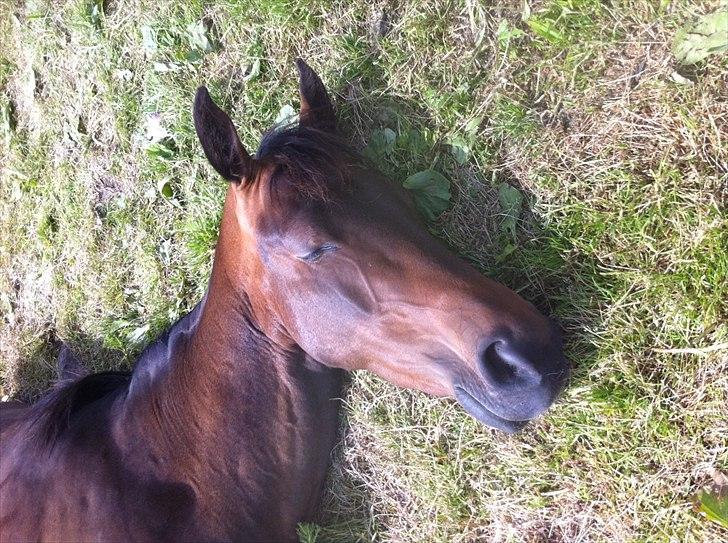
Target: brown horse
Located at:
point(224, 429)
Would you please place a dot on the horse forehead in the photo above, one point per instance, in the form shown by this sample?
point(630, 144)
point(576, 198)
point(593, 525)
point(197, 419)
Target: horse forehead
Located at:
point(275, 206)
point(280, 217)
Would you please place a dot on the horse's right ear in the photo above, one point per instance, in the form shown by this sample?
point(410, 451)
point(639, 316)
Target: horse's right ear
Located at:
point(219, 139)
point(316, 109)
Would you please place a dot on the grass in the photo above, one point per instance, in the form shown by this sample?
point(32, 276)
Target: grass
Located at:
point(109, 215)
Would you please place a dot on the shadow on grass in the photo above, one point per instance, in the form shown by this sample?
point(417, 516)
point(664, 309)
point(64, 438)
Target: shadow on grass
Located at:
point(538, 262)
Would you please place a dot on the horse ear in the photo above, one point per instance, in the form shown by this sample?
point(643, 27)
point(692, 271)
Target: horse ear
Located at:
point(219, 139)
point(316, 109)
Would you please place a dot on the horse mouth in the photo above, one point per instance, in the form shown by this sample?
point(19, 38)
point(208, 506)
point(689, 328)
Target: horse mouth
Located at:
point(480, 412)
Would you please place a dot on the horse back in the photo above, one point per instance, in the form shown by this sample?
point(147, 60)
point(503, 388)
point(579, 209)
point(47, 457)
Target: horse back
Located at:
point(63, 477)
point(11, 413)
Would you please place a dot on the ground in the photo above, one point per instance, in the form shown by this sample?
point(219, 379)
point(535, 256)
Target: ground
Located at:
point(588, 173)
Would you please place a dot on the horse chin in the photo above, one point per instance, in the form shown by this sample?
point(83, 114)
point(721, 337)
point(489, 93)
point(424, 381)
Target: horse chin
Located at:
point(478, 411)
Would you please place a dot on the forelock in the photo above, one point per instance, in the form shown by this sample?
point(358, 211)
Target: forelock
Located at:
point(314, 161)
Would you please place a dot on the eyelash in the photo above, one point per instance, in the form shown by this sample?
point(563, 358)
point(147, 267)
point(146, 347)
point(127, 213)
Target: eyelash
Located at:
point(315, 256)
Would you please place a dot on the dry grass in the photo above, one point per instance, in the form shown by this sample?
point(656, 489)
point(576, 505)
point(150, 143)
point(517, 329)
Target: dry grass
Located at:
point(622, 163)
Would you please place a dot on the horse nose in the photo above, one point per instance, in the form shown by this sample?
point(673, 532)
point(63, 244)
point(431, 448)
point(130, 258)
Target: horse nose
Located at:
point(504, 366)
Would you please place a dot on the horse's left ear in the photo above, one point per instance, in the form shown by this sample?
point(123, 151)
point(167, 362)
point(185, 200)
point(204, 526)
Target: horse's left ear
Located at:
point(219, 139)
point(316, 109)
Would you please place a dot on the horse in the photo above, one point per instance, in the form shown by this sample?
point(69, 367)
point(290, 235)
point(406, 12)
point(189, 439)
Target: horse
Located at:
point(224, 429)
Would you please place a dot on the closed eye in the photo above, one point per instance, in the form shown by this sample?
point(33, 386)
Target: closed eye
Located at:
point(317, 254)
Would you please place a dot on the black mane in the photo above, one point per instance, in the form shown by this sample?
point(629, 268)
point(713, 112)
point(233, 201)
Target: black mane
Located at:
point(53, 414)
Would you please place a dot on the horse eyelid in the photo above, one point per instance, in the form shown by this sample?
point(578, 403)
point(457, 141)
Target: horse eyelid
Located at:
point(316, 254)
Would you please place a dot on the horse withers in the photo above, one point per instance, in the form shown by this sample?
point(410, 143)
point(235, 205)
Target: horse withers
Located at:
point(224, 430)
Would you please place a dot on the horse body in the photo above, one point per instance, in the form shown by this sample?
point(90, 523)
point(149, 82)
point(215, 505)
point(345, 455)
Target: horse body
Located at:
point(224, 429)
point(217, 435)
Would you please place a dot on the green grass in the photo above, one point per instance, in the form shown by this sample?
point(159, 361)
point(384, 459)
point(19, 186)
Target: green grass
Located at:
point(106, 237)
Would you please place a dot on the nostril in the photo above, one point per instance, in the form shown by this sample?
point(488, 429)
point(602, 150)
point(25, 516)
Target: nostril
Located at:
point(493, 368)
point(502, 366)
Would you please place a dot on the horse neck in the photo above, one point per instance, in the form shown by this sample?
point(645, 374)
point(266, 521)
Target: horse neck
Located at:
point(216, 388)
